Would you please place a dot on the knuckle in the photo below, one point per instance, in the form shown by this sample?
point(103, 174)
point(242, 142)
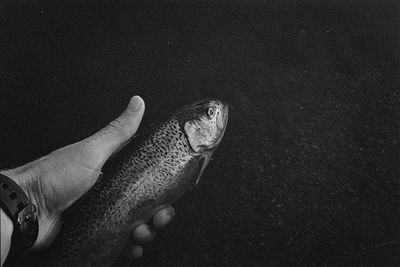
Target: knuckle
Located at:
point(116, 124)
point(119, 127)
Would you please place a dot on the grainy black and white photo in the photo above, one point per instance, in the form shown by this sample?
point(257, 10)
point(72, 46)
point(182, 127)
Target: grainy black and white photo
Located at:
point(199, 133)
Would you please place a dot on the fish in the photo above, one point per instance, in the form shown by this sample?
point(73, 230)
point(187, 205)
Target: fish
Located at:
point(148, 172)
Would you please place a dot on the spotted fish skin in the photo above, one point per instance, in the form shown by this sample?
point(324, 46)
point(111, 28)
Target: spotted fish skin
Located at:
point(142, 176)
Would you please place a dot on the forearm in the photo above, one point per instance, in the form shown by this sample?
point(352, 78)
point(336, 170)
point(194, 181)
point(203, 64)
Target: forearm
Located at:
point(6, 232)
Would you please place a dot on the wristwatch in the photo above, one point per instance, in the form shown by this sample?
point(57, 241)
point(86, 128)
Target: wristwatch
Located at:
point(22, 213)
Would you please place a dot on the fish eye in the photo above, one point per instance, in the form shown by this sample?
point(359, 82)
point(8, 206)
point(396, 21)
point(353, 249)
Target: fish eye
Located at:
point(209, 113)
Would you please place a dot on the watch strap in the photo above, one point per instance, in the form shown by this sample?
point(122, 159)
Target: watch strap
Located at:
point(22, 213)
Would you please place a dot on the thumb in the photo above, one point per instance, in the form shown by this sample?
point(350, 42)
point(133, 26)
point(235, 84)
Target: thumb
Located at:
point(102, 144)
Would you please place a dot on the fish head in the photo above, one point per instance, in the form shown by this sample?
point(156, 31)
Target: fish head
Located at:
point(204, 123)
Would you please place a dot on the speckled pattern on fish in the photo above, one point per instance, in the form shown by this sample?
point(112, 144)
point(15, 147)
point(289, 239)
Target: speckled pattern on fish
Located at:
point(144, 175)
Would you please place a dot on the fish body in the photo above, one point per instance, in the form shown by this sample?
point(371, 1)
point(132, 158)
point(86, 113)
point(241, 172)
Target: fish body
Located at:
point(140, 178)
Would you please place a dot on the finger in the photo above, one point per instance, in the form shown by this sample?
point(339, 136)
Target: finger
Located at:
point(102, 144)
point(137, 252)
point(163, 217)
point(130, 252)
point(143, 234)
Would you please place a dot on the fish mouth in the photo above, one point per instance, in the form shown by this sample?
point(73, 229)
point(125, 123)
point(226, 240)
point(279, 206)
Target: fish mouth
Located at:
point(225, 113)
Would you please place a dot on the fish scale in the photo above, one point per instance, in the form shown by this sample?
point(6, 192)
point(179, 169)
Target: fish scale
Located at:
point(121, 196)
point(144, 175)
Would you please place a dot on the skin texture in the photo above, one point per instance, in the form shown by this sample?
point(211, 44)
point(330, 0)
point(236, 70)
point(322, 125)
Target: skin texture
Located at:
point(56, 181)
point(6, 231)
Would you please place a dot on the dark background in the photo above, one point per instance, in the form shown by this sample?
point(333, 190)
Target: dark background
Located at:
point(308, 172)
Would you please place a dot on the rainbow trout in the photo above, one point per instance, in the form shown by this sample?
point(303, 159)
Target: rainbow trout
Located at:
point(144, 175)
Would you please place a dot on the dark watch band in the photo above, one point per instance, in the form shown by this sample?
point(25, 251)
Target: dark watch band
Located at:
point(21, 211)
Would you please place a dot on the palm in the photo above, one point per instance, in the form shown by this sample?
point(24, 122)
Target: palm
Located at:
point(66, 174)
point(57, 180)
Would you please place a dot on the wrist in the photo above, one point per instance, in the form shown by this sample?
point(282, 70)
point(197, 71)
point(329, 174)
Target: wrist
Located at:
point(18, 208)
point(28, 178)
point(23, 177)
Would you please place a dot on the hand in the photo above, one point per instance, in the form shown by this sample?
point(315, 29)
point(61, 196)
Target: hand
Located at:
point(54, 182)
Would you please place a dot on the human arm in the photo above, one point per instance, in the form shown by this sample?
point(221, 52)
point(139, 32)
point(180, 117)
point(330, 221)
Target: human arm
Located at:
point(54, 182)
